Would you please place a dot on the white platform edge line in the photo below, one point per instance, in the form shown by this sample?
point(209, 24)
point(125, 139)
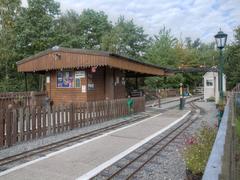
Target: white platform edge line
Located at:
point(71, 147)
point(101, 167)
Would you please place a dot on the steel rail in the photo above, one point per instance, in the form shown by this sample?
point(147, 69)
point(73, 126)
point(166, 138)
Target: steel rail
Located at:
point(187, 122)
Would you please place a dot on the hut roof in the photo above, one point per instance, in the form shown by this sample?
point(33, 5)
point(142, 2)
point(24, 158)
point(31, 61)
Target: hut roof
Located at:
point(68, 58)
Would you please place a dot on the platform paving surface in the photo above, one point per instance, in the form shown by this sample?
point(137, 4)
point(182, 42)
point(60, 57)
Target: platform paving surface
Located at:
point(81, 159)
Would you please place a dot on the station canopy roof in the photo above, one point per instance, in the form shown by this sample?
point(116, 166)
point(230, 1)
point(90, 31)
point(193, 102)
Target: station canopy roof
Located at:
point(66, 58)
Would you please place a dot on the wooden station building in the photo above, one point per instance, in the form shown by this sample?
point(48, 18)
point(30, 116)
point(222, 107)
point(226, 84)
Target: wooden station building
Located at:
point(74, 75)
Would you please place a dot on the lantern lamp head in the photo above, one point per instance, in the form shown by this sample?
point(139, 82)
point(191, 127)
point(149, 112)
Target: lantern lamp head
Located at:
point(221, 39)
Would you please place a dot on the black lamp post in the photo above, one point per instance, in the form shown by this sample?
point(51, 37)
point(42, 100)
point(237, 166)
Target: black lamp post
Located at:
point(221, 39)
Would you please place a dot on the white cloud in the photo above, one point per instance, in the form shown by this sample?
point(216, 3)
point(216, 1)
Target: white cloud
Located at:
point(193, 18)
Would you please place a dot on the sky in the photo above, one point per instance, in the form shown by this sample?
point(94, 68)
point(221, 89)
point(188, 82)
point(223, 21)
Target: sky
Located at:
point(186, 18)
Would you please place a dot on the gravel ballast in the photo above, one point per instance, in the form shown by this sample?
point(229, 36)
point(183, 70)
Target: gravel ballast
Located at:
point(169, 163)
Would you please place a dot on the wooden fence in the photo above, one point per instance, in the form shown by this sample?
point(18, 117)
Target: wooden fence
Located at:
point(153, 94)
point(22, 99)
point(225, 152)
point(28, 123)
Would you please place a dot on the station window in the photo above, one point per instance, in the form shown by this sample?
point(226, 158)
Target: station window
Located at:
point(209, 82)
point(91, 85)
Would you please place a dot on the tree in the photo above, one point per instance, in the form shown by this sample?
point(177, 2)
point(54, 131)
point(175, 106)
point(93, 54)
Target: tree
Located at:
point(8, 12)
point(189, 44)
point(35, 26)
point(232, 65)
point(36, 31)
point(161, 51)
point(85, 30)
point(126, 38)
point(68, 30)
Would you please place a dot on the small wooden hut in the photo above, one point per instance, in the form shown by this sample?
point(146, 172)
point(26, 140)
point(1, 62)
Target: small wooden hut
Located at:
point(76, 75)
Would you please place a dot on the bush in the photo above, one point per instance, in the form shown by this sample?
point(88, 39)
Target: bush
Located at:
point(221, 104)
point(211, 99)
point(198, 148)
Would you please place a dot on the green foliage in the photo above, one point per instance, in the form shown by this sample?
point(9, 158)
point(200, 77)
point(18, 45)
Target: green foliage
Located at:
point(125, 38)
point(35, 27)
point(198, 149)
point(211, 99)
point(232, 65)
point(221, 104)
point(8, 13)
point(162, 52)
point(83, 31)
point(167, 51)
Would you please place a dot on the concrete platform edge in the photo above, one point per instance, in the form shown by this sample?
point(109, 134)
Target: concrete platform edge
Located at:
point(101, 167)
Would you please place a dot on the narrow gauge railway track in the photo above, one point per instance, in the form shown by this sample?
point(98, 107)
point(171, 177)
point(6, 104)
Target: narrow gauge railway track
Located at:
point(138, 162)
point(63, 143)
point(171, 101)
point(43, 150)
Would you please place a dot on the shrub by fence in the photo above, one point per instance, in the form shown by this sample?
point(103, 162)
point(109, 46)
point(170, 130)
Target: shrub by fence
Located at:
point(31, 122)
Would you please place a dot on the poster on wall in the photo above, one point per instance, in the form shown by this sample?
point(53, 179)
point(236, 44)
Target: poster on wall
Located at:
point(84, 89)
point(78, 76)
point(48, 79)
point(91, 85)
point(65, 79)
point(123, 81)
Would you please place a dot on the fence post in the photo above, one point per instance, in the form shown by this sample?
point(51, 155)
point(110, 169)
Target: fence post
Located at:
point(71, 116)
point(8, 121)
point(21, 124)
point(27, 117)
point(14, 126)
point(2, 125)
point(49, 119)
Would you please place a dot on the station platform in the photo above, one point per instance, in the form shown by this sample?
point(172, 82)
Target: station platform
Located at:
point(86, 159)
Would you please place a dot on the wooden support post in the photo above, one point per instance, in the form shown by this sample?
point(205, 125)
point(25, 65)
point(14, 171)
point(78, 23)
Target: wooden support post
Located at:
point(136, 81)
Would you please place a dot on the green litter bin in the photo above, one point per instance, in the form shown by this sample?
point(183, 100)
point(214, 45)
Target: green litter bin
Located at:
point(130, 105)
point(182, 103)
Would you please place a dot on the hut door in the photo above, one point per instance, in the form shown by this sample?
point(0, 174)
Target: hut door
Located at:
point(119, 84)
point(109, 83)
